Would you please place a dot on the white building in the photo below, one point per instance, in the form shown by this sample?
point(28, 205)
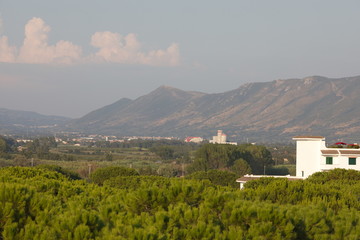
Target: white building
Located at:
point(194, 139)
point(220, 138)
point(312, 156)
point(249, 177)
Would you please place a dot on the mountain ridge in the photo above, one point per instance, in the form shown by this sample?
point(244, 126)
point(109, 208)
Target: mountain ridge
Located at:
point(281, 108)
point(18, 121)
point(260, 111)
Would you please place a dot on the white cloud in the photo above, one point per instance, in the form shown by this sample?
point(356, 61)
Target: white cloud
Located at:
point(115, 48)
point(7, 53)
point(112, 47)
point(36, 49)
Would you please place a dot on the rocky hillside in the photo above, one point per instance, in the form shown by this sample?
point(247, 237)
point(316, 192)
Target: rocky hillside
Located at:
point(261, 111)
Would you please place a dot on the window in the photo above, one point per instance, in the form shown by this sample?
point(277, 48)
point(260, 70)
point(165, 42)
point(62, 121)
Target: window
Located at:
point(352, 161)
point(329, 160)
point(302, 173)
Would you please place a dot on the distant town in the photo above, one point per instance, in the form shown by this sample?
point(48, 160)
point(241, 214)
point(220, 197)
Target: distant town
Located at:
point(78, 139)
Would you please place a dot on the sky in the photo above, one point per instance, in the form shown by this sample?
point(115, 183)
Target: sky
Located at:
point(69, 58)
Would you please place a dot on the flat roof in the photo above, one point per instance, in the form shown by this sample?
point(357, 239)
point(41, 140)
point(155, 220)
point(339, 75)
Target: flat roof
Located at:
point(350, 151)
point(248, 177)
point(330, 152)
point(308, 137)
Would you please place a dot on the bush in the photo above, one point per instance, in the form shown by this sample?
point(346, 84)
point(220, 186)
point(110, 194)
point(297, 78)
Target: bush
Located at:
point(134, 182)
point(102, 174)
point(339, 175)
point(217, 177)
point(67, 173)
point(282, 171)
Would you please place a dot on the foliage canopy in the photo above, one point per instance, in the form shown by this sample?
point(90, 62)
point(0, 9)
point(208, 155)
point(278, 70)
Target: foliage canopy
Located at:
point(102, 174)
point(37, 203)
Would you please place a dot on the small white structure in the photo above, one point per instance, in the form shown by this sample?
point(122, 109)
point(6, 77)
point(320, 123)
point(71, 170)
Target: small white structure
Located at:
point(194, 139)
point(313, 156)
point(250, 177)
point(220, 138)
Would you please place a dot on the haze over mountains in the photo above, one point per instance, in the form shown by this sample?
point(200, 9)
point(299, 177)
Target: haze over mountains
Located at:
point(266, 111)
point(313, 105)
point(13, 121)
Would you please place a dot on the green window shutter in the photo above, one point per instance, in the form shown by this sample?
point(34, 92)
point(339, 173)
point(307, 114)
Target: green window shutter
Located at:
point(329, 160)
point(352, 161)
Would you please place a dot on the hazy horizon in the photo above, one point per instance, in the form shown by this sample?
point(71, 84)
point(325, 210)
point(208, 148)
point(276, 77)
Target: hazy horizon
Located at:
point(70, 58)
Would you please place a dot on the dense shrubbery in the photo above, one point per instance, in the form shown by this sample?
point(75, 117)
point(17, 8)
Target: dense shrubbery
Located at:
point(336, 175)
point(102, 174)
point(67, 173)
point(217, 177)
point(242, 159)
point(36, 203)
point(40, 148)
point(279, 170)
point(134, 182)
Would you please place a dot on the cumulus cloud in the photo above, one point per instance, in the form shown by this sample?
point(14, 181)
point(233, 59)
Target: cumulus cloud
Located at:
point(7, 53)
point(112, 47)
point(36, 49)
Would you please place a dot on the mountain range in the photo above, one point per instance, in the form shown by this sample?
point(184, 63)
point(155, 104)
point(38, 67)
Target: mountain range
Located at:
point(261, 111)
point(18, 122)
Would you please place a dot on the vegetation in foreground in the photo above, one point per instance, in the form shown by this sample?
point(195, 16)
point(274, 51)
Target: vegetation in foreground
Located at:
point(39, 203)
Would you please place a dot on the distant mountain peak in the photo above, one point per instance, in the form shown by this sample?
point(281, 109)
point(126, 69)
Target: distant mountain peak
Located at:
point(167, 87)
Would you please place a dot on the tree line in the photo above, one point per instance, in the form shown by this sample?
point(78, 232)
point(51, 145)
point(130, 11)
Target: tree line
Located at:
point(241, 159)
point(40, 203)
point(179, 156)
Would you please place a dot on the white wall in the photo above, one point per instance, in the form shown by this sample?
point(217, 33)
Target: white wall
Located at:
point(308, 155)
point(309, 158)
point(341, 161)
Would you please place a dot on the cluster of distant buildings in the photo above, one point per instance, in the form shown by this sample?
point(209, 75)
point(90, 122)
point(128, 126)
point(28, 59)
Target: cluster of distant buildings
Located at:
point(80, 139)
point(220, 138)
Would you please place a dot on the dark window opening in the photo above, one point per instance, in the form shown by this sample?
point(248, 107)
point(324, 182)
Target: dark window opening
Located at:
point(329, 160)
point(352, 161)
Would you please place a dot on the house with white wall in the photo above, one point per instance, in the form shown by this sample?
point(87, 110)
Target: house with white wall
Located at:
point(312, 155)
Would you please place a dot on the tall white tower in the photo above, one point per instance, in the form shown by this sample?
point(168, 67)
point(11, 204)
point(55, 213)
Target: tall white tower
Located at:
point(308, 154)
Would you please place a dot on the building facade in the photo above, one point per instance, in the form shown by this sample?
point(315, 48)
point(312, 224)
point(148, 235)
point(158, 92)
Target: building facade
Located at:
point(220, 138)
point(313, 156)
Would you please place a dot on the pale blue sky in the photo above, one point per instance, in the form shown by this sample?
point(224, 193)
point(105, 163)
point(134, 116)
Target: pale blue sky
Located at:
point(209, 46)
